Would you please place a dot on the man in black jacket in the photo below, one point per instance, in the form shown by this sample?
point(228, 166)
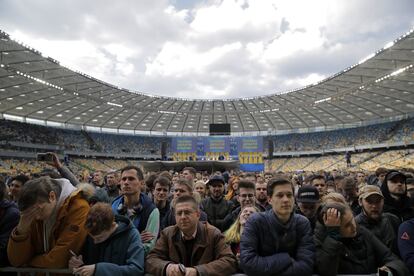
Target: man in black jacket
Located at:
point(383, 225)
point(215, 205)
point(396, 200)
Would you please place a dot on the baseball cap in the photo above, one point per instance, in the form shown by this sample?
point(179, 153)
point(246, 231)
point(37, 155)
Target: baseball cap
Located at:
point(369, 190)
point(395, 174)
point(308, 194)
point(215, 179)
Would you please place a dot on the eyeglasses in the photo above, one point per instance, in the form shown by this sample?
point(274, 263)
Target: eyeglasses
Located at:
point(246, 195)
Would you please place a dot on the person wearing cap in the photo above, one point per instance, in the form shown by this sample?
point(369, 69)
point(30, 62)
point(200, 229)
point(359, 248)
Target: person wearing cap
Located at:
point(396, 200)
point(216, 206)
point(308, 203)
point(383, 225)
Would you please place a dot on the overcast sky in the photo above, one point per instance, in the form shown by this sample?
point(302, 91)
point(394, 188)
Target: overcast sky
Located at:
point(207, 49)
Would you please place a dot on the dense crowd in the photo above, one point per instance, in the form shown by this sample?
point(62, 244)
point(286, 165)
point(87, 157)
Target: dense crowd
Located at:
point(10, 131)
point(128, 222)
point(374, 134)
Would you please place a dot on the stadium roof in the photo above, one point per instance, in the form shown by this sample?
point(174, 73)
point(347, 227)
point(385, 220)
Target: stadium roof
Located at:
point(37, 89)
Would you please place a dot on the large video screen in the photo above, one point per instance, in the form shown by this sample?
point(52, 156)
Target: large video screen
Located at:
point(250, 144)
point(216, 144)
point(183, 144)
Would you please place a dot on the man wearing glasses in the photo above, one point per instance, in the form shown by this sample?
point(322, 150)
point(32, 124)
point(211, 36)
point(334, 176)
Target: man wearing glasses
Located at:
point(246, 197)
point(190, 247)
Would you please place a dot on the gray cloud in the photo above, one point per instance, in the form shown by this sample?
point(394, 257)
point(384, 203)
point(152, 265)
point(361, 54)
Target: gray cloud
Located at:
point(353, 30)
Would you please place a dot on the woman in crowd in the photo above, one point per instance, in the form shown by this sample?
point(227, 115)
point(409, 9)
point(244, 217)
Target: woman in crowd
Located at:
point(233, 234)
point(200, 188)
point(113, 246)
point(232, 189)
point(344, 248)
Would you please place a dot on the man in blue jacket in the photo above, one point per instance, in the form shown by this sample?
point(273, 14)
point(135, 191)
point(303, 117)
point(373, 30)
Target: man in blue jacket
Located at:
point(406, 243)
point(278, 241)
point(137, 206)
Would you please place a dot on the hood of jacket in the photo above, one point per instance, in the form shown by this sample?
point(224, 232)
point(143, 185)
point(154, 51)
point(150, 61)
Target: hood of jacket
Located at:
point(389, 200)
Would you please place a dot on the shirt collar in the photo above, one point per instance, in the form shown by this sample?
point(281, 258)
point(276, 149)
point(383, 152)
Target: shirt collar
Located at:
point(192, 236)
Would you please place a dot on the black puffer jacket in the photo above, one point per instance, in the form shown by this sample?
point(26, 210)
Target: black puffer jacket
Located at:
point(9, 218)
point(385, 229)
point(217, 210)
point(363, 254)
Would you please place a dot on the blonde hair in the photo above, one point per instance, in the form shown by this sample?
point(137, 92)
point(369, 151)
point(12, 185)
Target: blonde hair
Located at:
point(197, 197)
point(334, 198)
point(233, 234)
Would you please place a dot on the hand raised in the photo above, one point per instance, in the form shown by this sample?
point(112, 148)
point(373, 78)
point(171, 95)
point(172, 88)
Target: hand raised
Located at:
point(332, 218)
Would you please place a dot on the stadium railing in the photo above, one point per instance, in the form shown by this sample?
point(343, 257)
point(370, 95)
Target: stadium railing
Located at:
point(48, 272)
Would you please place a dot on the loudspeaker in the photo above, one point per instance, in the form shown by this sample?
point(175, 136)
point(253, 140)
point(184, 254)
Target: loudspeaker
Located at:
point(163, 150)
point(219, 129)
point(270, 148)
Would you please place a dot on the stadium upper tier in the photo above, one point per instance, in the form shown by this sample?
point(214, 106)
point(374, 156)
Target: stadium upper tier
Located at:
point(38, 89)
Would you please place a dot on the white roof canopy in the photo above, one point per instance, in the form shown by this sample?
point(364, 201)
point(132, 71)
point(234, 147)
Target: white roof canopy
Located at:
point(36, 87)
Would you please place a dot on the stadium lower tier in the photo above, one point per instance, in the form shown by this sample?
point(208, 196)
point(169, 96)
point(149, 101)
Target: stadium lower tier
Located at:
point(369, 161)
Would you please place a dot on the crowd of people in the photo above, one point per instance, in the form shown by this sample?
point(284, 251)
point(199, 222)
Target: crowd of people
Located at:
point(374, 134)
point(10, 131)
point(74, 140)
point(189, 222)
